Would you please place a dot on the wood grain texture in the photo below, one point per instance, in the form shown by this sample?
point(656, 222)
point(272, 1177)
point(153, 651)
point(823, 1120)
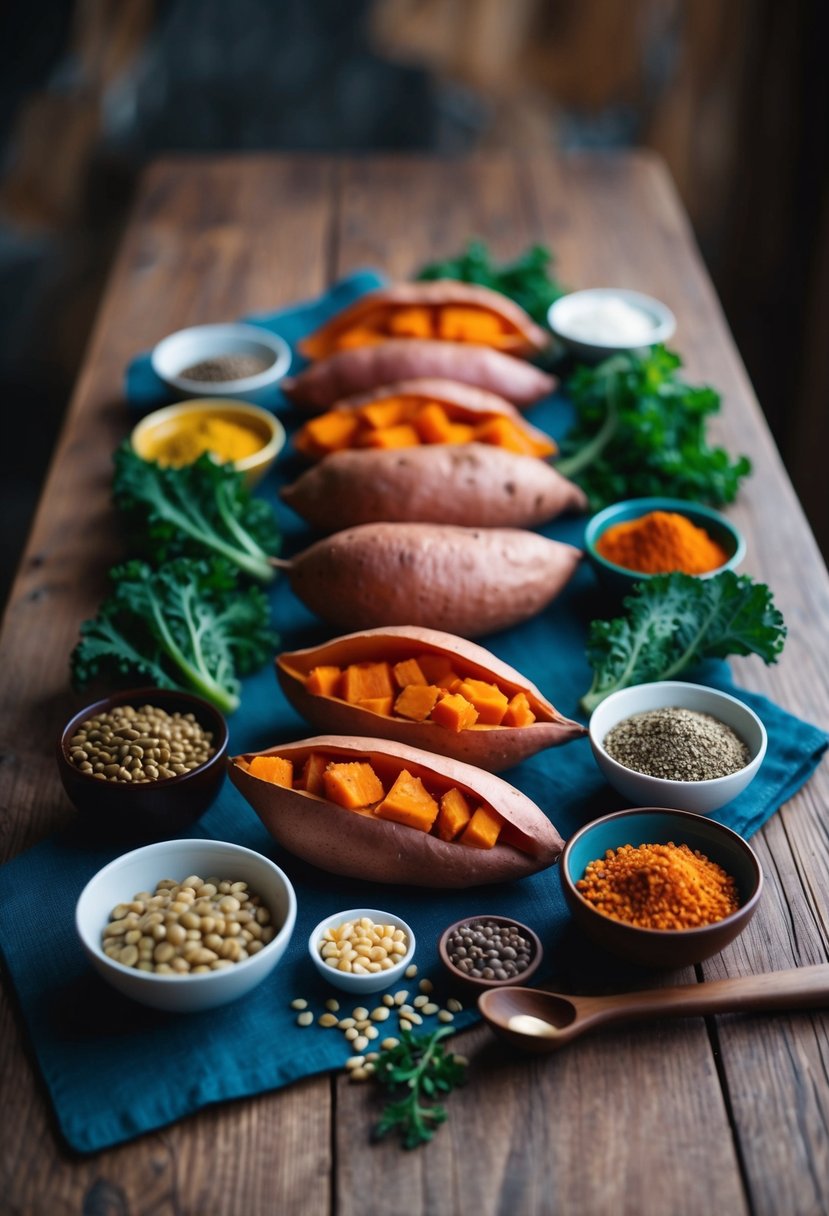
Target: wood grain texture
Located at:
point(669, 1118)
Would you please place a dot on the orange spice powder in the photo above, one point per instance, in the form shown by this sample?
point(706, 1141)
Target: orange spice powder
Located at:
point(659, 886)
point(659, 543)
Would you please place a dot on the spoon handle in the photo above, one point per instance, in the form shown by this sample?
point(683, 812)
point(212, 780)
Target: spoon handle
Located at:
point(799, 988)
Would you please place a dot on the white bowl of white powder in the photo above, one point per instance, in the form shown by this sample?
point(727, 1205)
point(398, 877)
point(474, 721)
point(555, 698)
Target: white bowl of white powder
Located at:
point(602, 321)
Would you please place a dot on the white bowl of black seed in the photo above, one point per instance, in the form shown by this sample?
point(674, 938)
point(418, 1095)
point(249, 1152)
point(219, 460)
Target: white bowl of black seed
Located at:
point(245, 362)
point(488, 951)
point(676, 744)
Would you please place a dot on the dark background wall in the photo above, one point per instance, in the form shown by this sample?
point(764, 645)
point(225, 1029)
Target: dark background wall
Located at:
point(733, 95)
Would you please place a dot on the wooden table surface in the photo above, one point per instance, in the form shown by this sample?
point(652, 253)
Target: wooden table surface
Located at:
point(726, 1114)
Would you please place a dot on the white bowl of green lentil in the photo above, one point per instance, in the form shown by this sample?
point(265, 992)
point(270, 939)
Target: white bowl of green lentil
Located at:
point(710, 741)
point(226, 941)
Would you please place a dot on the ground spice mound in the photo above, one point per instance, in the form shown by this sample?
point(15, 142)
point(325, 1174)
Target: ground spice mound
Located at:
point(677, 744)
point(659, 886)
point(659, 543)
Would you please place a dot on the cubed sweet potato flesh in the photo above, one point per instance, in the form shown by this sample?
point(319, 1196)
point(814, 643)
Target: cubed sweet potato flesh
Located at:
point(437, 669)
point(432, 423)
point(411, 322)
point(366, 681)
point(488, 699)
point(483, 829)
point(378, 705)
point(275, 769)
point(355, 337)
point(453, 816)
point(352, 784)
point(454, 712)
point(409, 671)
point(323, 681)
point(327, 433)
point(310, 778)
point(389, 412)
point(518, 712)
point(417, 701)
point(409, 802)
point(459, 324)
point(402, 436)
point(507, 433)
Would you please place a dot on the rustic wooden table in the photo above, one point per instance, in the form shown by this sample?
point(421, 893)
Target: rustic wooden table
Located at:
point(726, 1114)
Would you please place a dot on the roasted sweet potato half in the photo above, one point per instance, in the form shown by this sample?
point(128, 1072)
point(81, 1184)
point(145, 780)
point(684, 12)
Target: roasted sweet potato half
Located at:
point(467, 581)
point(395, 683)
point(386, 812)
point(471, 485)
point(445, 309)
point(356, 371)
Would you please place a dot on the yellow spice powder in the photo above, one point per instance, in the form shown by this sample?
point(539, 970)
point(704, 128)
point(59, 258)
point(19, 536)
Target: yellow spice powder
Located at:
point(224, 440)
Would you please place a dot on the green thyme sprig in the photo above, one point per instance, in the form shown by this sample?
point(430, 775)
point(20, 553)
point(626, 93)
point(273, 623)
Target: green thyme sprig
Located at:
point(422, 1066)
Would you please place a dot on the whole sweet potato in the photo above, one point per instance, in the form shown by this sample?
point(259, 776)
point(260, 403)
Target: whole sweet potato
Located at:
point(355, 371)
point(493, 747)
point(360, 845)
point(468, 581)
point(445, 309)
point(472, 485)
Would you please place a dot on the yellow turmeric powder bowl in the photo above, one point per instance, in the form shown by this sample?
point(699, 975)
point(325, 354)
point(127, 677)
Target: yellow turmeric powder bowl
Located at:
point(234, 432)
point(636, 539)
point(660, 826)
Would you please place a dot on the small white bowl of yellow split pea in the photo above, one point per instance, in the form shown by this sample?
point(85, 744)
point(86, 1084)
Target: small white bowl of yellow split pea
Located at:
point(232, 432)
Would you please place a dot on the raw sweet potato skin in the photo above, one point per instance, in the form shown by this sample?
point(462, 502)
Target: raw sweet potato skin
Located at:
point(525, 338)
point(355, 371)
point(470, 485)
point(494, 749)
point(468, 581)
point(360, 846)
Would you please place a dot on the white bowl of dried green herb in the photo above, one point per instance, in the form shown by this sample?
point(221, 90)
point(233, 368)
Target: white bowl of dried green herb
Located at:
point(677, 744)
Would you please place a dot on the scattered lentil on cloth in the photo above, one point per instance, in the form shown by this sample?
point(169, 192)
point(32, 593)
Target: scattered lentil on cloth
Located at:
point(677, 744)
point(659, 886)
point(659, 543)
point(139, 745)
point(487, 949)
point(225, 367)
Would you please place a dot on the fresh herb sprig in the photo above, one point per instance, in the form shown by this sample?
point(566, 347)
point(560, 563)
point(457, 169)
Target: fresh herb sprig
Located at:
point(674, 620)
point(641, 431)
point(528, 280)
point(425, 1070)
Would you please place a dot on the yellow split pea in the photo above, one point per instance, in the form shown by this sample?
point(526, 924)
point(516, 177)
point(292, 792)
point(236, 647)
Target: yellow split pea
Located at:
point(361, 946)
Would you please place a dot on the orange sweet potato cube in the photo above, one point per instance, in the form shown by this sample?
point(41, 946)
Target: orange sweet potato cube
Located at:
point(509, 433)
point(488, 699)
point(453, 816)
point(437, 669)
point(355, 337)
point(402, 436)
point(378, 705)
point(388, 412)
point(518, 712)
point(454, 712)
point(483, 829)
point(417, 701)
point(408, 801)
point(459, 324)
point(323, 681)
point(310, 778)
point(365, 681)
point(432, 423)
point(275, 769)
point(460, 432)
point(327, 433)
point(409, 671)
point(410, 322)
point(352, 784)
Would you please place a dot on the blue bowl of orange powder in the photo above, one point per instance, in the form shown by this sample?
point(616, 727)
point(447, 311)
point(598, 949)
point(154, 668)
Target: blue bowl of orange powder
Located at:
point(641, 537)
point(666, 867)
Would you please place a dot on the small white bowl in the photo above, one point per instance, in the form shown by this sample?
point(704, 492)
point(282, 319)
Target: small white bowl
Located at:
point(180, 350)
point(347, 980)
point(702, 797)
point(141, 870)
point(567, 314)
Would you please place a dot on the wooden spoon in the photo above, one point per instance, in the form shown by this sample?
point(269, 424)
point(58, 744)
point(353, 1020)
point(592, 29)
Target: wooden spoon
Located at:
point(544, 1021)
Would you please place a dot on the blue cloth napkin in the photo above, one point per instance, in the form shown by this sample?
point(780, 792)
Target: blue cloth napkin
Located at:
point(114, 1069)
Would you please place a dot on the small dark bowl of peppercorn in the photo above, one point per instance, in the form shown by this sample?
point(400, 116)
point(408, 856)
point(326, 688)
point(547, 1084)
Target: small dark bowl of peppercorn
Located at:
point(660, 887)
point(487, 951)
point(143, 764)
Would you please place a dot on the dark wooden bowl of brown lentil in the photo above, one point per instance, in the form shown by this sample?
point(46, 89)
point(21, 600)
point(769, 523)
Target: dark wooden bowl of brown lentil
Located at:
point(143, 764)
point(487, 951)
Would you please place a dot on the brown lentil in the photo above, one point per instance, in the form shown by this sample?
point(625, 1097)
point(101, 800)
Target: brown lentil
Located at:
point(133, 934)
point(677, 744)
point(226, 367)
point(659, 886)
point(139, 745)
point(487, 949)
